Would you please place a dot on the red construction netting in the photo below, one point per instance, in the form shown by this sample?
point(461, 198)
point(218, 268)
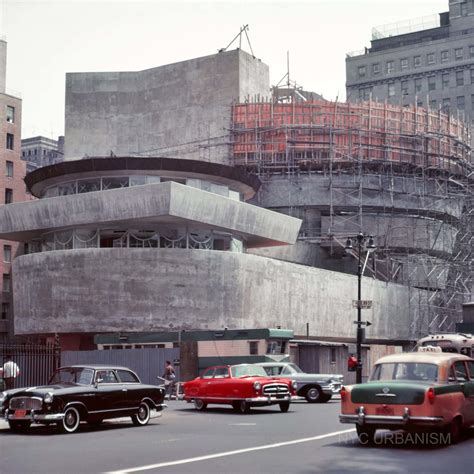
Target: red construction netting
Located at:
point(274, 134)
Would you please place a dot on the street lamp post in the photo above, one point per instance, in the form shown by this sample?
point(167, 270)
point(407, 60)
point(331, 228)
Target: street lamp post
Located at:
point(360, 238)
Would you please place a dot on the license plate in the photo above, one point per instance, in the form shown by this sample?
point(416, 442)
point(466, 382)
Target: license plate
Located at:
point(384, 411)
point(19, 413)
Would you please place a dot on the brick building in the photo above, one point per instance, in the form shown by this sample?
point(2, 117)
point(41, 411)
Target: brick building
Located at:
point(12, 187)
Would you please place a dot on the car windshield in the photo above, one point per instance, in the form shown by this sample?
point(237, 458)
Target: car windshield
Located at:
point(247, 371)
point(291, 369)
point(77, 375)
point(405, 371)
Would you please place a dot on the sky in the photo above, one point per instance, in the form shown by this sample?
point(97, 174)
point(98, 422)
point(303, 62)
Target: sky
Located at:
point(46, 39)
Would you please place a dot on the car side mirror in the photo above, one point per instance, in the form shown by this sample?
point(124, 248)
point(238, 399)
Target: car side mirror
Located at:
point(97, 382)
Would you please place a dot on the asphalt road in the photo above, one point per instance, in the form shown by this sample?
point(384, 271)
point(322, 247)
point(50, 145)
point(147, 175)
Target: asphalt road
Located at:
point(307, 439)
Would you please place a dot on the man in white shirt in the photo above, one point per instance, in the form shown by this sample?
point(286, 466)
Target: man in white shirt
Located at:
point(10, 372)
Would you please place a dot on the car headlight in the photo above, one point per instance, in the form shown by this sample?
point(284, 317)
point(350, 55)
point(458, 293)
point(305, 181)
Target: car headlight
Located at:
point(257, 385)
point(294, 384)
point(48, 398)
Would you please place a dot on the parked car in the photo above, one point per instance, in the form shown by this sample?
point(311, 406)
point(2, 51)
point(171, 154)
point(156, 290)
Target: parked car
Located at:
point(413, 391)
point(78, 393)
point(316, 388)
point(242, 386)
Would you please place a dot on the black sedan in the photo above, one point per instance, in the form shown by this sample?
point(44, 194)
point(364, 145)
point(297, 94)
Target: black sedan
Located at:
point(89, 393)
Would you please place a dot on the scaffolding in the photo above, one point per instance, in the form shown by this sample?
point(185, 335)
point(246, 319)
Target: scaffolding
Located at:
point(357, 150)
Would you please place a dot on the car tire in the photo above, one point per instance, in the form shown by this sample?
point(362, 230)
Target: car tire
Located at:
point(454, 431)
point(366, 435)
point(142, 417)
point(325, 398)
point(243, 407)
point(313, 395)
point(19, 426)
point(199, 404)
point(71, 421)
point(284, 406)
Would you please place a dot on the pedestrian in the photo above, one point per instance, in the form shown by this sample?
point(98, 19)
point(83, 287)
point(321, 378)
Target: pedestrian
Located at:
point(170, 377)
point(352, 363)
point(10, 372)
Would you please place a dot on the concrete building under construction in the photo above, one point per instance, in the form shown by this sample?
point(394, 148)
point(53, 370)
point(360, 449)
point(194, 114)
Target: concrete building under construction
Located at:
point(400, 174)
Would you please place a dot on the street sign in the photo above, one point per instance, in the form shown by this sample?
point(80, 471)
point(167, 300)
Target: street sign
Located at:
point(363, 323)
point(362, 304)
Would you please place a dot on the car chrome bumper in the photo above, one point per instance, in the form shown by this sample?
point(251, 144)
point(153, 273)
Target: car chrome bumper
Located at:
point(161, 406)
point(34, 417)
point(331, 389)
point(270, 399)
point(361, 419)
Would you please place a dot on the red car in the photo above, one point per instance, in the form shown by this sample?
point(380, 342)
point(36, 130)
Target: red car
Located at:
point(243, 386)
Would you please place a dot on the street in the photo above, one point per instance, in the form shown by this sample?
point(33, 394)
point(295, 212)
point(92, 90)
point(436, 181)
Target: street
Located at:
point(307, 439)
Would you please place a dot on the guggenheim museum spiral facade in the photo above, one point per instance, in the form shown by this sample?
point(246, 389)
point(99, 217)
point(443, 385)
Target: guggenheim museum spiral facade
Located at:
point(148, 224)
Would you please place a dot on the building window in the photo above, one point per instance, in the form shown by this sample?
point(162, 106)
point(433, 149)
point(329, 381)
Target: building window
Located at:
point(276, 347)
point(472, 76)
point(333, 355)
point(418, 85)
point(471, 51)
point(430, 58)
point(5, 310)
point(446, 104)
point(7, 253)
point(419, 103)
point(445, 80)
point(8, 196)
point(10, 114)
point(404, 63)
point(405, 87)
point(433, 104)
point(6, 283)
point(472, 101)
point(9, 169)
point(390, 67)
point(9, 141)
point(458, 54)
point(463, 9)
point(459, 78)
point(431, 83)
point(364, 93)
point(253, 347)
point(417, 61)
point(391, 90)
point(362, 71)
point(460, 102)
point(444, 56)
point(376, 68)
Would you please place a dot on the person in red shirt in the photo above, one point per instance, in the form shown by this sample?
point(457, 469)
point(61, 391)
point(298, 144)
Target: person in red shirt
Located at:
point(352, 363)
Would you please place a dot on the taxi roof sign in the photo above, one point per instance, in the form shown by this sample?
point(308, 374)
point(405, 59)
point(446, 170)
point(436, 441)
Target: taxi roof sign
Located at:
point(430, 349)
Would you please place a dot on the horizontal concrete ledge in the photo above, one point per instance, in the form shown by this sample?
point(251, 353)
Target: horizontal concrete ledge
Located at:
point(163, 204)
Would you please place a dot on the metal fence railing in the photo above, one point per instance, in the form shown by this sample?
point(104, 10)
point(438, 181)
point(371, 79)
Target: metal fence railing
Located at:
point(35, 362)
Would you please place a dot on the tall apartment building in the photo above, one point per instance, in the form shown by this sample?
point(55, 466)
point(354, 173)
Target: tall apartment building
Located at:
point(12, 187)
point(429, 63)
point(41, 151)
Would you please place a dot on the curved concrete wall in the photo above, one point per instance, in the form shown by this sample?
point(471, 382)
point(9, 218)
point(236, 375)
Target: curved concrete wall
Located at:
point(99, 290)
point(405, 214)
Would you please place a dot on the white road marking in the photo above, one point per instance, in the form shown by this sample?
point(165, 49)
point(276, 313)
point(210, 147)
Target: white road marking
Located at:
point(242, 424)
point(228, 453)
